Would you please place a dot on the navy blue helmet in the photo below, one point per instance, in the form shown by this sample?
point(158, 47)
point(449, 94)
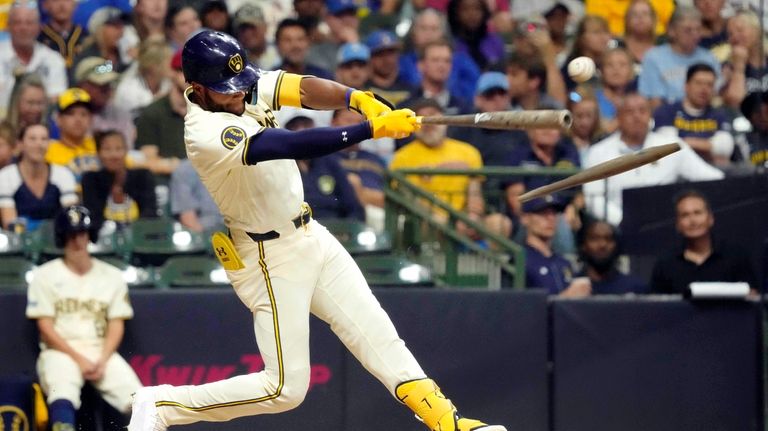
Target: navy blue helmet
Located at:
point(73, 219)
point(217, 61)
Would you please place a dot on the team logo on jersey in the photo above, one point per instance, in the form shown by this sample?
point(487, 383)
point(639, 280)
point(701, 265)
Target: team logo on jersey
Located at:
point(232, 136)
point(236, 63)
point(326, 184)
point(13, 418)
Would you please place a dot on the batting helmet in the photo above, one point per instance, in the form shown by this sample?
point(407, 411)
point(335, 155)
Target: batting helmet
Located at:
point(217, 61)
point(73, 219)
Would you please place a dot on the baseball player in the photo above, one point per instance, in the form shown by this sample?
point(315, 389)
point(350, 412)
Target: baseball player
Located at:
point(80, 305)
point(283, 264)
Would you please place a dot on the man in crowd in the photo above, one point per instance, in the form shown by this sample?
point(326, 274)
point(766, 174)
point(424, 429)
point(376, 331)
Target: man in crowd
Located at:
point(603, 198)
point(61, 33)
point(385, 69)
point(22, 53)
point(694, 120)
point(703, 257)
point(292, 41)
point(76, 148)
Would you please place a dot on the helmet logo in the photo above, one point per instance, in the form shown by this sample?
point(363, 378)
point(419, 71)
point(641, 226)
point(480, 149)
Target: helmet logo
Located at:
point(236, 63)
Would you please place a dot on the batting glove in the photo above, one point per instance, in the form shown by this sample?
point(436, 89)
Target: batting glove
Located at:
point(395, 124)
point(367, 103)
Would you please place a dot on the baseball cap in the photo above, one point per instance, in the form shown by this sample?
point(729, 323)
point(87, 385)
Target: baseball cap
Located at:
point(96, 70)
point(490, 81)
point(381, 40)
point(106, 15)
point(336, 7)
point(248, 14)
point(73, 96)
point(353, 52)
point(542, 203)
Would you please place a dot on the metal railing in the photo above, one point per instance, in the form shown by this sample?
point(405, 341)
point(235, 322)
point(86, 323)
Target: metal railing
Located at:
point(455, 258)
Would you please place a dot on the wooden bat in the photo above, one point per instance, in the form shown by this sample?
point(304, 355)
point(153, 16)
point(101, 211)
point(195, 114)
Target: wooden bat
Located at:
point(506, 120)
point(604, 170)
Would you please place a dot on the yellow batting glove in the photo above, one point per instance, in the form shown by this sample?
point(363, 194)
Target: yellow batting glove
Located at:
point(364, 102)
point(395, 124)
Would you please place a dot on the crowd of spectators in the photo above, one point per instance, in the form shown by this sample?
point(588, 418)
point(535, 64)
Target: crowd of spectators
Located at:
point(92, 103)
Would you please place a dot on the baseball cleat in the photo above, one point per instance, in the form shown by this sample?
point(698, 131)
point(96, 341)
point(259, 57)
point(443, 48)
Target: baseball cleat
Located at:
point(436, 411)
point(144, 416)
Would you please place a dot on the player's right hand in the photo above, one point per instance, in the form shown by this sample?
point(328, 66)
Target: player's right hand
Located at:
point(395, 124)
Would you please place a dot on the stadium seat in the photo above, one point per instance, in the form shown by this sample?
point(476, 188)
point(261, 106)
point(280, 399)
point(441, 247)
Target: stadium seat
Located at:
point(191, 271)
point(357, 237)
point(393, 270)
point(133, 276)
point(15, 272)
point(153, 240)
point(40, 243)
point(11, 244)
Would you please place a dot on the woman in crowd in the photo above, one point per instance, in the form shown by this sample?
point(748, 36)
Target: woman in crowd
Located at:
point(592, 40)
point(148, 21)
point(32, 190)
point(115, 192)
point(468, 20)
point(639, 30)
point(586, 128)
point(106, 27)
point(7, 144)
point(745, 68)
point(28, 102)
point(147, 79)
point(617, 78)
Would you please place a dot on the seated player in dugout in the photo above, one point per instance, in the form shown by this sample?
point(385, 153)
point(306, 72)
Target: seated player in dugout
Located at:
point(283, 264)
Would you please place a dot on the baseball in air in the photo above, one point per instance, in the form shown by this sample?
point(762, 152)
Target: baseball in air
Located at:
point(581, 69)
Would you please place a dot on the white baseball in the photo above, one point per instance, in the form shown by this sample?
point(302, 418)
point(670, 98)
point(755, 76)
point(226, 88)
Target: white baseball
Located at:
point(581, 69)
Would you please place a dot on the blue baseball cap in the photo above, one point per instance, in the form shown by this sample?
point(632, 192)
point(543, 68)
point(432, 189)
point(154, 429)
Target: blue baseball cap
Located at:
point(490, 81)
point(353, 52)
point(540, 204)
point(381, 40)
point(336, 7)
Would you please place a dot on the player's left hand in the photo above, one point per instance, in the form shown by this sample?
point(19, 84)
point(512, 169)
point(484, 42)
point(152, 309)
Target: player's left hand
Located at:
point(396, 124)
point(366, 103)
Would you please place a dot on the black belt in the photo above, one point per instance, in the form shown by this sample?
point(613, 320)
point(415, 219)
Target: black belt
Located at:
point(298, 222)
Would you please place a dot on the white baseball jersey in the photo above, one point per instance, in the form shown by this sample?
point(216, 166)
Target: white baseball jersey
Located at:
point(258, 198)
point(79, 305)
point(282, 280)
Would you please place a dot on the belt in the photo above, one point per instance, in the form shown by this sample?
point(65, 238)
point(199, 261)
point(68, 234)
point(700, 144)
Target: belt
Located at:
point(298, 222)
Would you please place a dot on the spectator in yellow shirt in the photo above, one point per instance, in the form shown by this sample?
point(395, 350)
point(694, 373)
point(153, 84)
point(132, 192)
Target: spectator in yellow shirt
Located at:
point(432, 149)
point(615, 10)
point(76, 148)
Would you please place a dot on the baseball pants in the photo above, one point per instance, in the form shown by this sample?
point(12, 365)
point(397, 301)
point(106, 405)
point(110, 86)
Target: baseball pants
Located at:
point(61, 378)
point(305, 270)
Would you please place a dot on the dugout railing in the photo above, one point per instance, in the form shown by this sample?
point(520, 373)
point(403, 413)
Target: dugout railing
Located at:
point(424, 228)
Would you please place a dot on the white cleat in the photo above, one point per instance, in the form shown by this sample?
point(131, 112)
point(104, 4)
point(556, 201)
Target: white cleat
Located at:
point(144, 416)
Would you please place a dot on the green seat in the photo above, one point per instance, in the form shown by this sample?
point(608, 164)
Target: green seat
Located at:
point(133, 276)
point(154, 240)
point(191, 271)
point(14, 272)
point(40, 243)
point(357, 237)
point(393, 270)
point(11, 244)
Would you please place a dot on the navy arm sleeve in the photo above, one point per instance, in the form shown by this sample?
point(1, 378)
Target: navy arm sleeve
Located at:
point(274, 144)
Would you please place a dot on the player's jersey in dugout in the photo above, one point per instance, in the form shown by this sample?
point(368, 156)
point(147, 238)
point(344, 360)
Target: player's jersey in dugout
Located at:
point(257, 198)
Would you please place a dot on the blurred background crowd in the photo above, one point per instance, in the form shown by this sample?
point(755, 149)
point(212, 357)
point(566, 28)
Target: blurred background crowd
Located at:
point(91, 97)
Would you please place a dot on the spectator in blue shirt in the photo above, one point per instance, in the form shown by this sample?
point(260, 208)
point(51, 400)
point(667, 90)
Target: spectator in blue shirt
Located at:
point(544, 268)
point(705, 128)
point(327, 189)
